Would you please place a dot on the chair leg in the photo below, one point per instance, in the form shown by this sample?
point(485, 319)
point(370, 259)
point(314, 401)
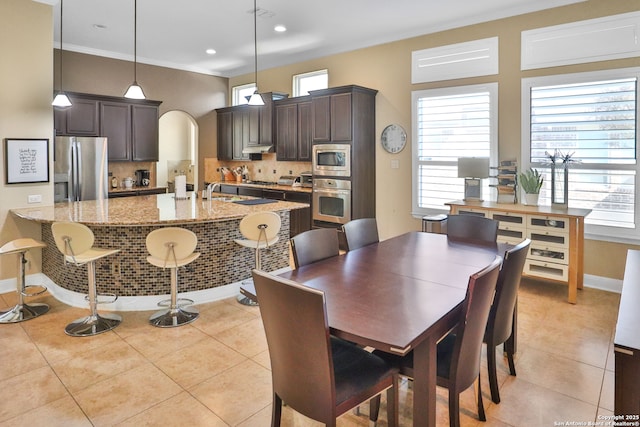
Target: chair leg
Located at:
point(276, 411)
point(393, 404)
point(454, 408)
point(493, 376)
point(94, 323)
point(374, 410)
point(176, 314)
point(481, 414)
point(512, 366)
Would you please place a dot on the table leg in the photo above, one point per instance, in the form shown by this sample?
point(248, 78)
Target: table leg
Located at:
point(424, 383)
point(575, 281)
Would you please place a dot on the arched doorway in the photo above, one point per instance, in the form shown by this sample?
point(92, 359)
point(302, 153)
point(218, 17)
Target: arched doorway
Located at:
point(178, 151)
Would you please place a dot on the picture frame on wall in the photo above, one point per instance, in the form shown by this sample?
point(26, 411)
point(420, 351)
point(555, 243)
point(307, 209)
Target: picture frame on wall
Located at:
point(26, 160)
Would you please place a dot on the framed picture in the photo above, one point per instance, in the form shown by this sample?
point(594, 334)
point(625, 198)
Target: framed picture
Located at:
point(26, 160)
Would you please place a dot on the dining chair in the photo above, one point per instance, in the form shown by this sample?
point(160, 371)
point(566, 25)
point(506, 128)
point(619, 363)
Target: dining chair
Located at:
point(458, 353)
point(314, 245)
point(500, 325)
point(360, 232)
point(472, 228)
point(314, 373)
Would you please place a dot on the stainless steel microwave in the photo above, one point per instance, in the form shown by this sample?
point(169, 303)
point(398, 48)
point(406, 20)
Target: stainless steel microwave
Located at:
point(332, 159)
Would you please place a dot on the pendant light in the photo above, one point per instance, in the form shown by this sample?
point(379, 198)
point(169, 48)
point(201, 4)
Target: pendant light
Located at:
point(135, 91)
point(255, 99)
point(61, 99)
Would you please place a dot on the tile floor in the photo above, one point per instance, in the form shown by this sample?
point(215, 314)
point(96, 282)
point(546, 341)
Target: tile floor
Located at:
point(215, 371)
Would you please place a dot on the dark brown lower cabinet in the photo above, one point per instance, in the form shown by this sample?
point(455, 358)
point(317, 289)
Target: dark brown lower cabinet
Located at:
point(627, 345)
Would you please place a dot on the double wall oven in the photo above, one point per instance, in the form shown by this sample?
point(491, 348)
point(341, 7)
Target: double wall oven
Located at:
point(331, 184)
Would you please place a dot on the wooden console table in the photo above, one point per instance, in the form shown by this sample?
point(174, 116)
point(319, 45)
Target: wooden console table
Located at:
point(557, 237)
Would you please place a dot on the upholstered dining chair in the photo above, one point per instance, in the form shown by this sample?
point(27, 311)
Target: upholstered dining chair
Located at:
point(360, 232)
point(314, 245)
point(472, 228)
point(314, 373)
point(458, 354)
point(501, 317)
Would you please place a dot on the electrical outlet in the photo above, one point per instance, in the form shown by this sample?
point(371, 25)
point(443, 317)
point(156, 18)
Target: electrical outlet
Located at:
point(115, 268)
point(34, 198)
point(274, 171)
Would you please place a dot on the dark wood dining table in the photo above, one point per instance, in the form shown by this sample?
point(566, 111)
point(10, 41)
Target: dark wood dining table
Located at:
point(399, 295)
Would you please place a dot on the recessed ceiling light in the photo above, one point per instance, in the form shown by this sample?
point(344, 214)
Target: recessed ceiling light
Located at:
point(99, 27)
point(280, 28)
point(211, 51)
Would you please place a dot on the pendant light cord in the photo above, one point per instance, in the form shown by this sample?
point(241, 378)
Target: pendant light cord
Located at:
point(61, 5)
point(255, 41)
point(135, 41)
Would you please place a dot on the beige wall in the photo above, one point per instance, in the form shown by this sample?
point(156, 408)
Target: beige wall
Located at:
point(387, 69)
point(26, 37)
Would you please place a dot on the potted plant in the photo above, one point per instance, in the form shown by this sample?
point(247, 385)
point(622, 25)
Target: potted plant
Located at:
point(531, 181)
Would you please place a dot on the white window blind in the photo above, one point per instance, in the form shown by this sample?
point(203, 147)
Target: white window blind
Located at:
point(596, 122)
point(448, 124)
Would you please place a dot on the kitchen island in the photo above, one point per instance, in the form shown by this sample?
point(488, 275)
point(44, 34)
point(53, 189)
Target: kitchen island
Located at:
point(124, 223)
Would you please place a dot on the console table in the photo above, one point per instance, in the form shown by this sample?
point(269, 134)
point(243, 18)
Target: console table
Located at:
point(557, 237)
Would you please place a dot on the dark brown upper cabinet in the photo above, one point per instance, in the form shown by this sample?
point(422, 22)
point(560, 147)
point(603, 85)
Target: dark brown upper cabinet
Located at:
point(131, 126)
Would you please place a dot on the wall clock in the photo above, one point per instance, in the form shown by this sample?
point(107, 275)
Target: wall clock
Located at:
point(393, 138)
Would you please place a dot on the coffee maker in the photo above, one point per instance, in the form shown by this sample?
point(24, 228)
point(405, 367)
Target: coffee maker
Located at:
point(143, 177)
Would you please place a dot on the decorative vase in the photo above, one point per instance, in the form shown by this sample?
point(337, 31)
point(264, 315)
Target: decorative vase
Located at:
point(531, 199)
point(559, 185)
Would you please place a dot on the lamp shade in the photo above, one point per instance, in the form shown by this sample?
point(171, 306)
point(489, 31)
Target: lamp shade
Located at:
point(134, 92)
point(61, 100)
point(473, 167)
point(256, 99)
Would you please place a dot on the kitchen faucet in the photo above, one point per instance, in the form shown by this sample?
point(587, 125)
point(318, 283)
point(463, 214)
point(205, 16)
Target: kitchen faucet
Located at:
point(211, 188)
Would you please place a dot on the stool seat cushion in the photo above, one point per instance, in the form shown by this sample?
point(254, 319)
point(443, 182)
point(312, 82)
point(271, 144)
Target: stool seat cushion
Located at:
point(169, 263)
point(90, 255)
point(254, 243)
point(20, 245)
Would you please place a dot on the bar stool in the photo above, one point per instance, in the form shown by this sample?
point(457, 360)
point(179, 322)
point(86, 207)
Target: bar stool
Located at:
point(22, 311)
point(173, 247)
point(75, 241)
point(260, 230)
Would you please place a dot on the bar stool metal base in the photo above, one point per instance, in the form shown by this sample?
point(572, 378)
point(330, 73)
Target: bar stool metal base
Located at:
point(22, 312)
point(242, 298)
point(93, 325)
point(172, 317)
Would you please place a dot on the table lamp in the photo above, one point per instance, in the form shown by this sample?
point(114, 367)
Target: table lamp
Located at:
point(473, 169)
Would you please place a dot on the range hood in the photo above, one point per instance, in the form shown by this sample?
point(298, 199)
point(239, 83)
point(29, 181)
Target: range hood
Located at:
point(258, 149)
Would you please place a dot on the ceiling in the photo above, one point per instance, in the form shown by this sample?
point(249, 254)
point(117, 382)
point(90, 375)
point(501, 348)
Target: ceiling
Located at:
point(176, 33)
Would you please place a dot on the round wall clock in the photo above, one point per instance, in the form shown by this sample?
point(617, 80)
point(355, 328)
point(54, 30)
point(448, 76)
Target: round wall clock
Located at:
point(393, 138)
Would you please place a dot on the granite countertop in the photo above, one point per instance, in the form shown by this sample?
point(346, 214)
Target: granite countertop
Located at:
point(151, 209)
point(134, 188)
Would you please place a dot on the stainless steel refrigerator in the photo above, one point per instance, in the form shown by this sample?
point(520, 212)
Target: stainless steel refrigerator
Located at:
point(80, 168)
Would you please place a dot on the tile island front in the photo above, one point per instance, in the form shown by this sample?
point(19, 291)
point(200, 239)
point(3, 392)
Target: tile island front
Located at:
point(124, 223)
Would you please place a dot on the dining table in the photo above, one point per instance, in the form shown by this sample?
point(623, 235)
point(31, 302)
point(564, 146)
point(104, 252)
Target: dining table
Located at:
point(399, 295)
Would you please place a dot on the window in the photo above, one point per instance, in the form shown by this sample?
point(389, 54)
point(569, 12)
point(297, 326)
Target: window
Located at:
point(593, 117)
point(449, 123)
point(239, 94)
point(303, 83)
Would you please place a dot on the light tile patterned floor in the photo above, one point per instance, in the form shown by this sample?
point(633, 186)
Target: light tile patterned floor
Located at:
point(215, 371)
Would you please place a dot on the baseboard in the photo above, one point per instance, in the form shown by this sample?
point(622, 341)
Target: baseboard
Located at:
point(603, 283)
point(141, 303)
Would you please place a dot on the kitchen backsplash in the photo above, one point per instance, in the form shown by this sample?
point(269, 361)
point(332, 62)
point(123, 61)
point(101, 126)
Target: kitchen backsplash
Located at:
point(267, 169)
point(122, 170)
point(179, 167)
